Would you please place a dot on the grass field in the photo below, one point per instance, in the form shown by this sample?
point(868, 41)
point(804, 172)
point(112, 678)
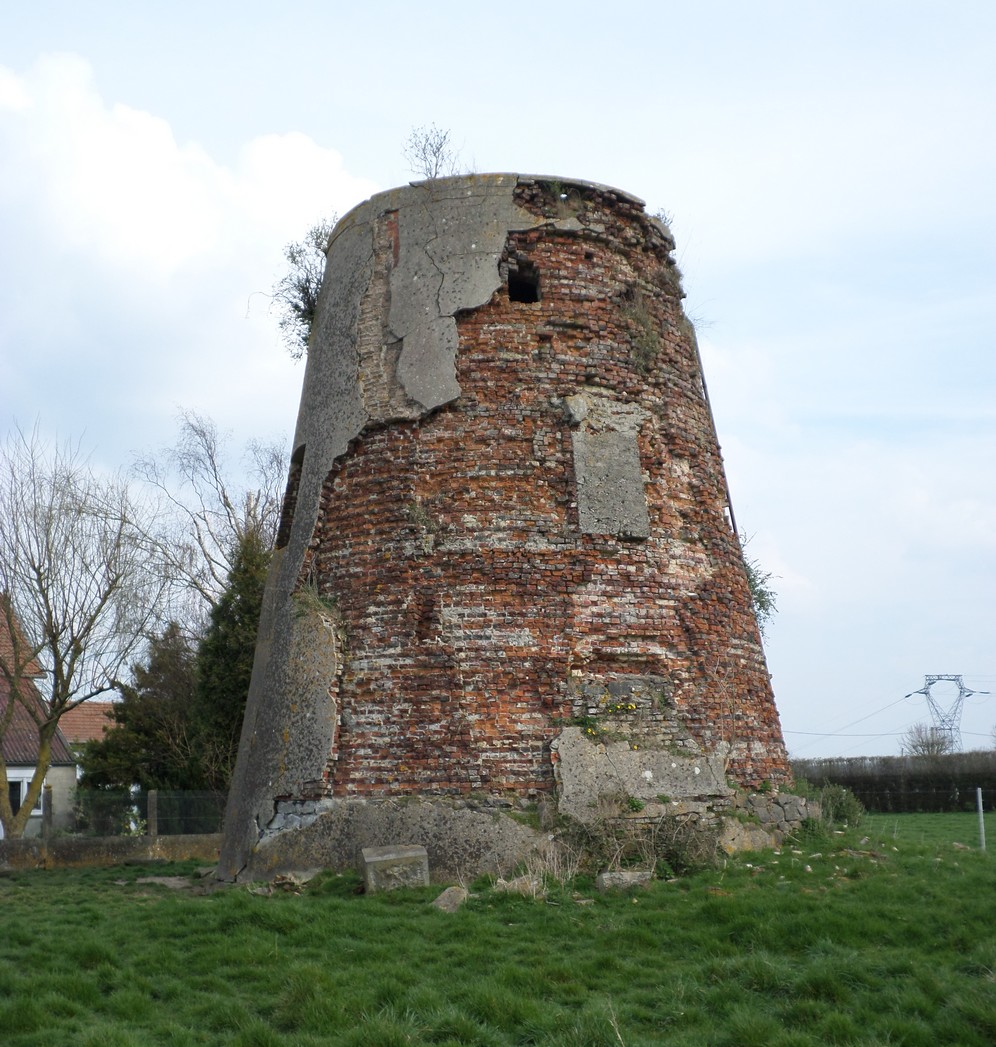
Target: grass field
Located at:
point(884, 935)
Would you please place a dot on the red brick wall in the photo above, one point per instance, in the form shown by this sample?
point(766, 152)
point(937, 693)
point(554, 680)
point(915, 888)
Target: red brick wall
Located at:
point(479, 617)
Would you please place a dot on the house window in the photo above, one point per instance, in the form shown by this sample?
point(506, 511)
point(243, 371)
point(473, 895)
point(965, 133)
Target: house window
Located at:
point(17, 791)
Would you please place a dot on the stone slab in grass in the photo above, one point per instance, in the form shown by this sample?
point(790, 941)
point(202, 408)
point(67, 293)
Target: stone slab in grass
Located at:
point(623, 879)
point(451, 899)
point(388, 868)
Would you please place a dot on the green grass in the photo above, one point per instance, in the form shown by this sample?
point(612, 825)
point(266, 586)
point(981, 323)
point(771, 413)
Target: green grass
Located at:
point(933, 830)
point(883, 935)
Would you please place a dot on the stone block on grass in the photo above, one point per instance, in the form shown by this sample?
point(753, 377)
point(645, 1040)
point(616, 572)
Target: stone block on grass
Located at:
point(623, 879)
point(451, 899)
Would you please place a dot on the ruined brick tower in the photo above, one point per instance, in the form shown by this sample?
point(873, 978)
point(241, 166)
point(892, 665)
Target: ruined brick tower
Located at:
point(506, 534)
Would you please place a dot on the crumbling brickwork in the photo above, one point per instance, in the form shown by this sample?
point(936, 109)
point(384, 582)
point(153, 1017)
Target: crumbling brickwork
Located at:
point(508, 492)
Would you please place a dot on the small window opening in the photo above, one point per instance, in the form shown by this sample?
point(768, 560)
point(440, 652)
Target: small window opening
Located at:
point(523, 284)
point(290, 498)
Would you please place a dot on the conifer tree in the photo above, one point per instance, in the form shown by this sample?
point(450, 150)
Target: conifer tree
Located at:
point(224, 664)
point(178, 726)
point(149, 743)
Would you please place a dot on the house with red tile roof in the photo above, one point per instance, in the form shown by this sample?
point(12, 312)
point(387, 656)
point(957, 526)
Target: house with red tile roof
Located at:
point(87, 723)
point(19, 746)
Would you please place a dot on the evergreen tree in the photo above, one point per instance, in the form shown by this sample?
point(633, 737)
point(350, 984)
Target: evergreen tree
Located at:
point(178, 725)
point(224, 664)
point(149, 744)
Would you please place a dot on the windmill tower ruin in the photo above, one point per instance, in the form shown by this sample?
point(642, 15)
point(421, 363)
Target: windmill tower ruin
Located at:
point(506, 568)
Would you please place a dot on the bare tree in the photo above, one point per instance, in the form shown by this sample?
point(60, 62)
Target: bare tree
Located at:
point(76, 596)
point(924, 740)
point(209, 515)
point(430, 153)
point(296, 293)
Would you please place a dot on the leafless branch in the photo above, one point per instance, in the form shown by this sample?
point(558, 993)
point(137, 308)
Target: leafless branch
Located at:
point(77, 593)
point(430, 154)
point(206, 513)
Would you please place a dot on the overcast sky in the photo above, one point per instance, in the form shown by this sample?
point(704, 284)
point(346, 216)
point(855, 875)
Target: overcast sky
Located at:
point(831, 173)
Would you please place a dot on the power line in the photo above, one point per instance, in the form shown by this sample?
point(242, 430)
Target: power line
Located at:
point(946, 722)
point(837, 734)
point(854, 723)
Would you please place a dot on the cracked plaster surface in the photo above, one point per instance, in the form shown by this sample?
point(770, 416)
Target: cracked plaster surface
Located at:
point(448, 255)
point(449, 239)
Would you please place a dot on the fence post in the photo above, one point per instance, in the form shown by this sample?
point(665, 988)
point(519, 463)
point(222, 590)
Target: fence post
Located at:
point(46, 825)
point(152, 819)
point(982, 821)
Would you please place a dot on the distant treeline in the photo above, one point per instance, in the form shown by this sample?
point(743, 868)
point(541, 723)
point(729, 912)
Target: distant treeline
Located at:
point(907, 784)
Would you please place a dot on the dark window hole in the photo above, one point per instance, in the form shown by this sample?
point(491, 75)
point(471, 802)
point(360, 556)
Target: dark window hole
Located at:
point(523, 284)
point(290, 498)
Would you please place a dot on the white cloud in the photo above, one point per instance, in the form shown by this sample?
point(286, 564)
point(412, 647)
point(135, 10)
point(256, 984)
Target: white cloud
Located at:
point(133, 261)
point(115, 182)
point(288, 181)
point(13, 94)
point(108, 180)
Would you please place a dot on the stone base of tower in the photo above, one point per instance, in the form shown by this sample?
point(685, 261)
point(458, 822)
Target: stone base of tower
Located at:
point(464, 838)
point(607, 787)
point(469, 838)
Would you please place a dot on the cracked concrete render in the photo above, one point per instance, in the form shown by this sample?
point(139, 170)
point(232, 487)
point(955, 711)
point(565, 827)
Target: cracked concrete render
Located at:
point(610, 482)
point(445, 259)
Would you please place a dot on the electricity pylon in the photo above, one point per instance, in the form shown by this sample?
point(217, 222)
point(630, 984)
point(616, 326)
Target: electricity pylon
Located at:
point(949, 722)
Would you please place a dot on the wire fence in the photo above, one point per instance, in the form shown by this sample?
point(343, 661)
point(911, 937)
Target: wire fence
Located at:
point(156, 812)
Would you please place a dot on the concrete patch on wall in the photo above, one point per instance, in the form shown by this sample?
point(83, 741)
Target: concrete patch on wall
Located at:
point(607, 469)
point(310, 687)
point(589, 772)
point(447, 261)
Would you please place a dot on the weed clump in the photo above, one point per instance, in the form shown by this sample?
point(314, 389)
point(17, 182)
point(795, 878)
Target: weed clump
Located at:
point(668, 845)
point(839, 807)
